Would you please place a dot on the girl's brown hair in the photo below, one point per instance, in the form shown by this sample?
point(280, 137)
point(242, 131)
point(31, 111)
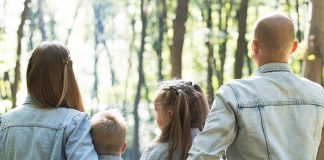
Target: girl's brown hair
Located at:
point(50, 77)
point(190, 109)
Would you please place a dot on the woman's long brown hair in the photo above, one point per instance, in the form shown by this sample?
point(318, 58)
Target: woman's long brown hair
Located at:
point(190, 109)
point(50, 78)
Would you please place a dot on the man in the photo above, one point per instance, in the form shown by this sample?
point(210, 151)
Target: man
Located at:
point(272, 114)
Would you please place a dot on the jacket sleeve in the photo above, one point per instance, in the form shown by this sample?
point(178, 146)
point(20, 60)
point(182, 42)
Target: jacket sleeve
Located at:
point(220, 128)
point(79, 142)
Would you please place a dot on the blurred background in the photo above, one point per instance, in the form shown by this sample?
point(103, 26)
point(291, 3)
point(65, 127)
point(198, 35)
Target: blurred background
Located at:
point(122, 49)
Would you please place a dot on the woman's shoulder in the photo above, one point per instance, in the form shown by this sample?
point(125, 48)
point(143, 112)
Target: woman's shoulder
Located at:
point(71, 113)
point(73, 117)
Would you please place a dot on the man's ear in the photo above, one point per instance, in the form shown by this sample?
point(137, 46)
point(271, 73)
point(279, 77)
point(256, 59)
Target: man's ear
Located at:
point(124, 148)
point(293, 49)
point(255, 47)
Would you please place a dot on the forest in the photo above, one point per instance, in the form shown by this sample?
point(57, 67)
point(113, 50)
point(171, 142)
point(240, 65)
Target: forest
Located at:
point(122, 49)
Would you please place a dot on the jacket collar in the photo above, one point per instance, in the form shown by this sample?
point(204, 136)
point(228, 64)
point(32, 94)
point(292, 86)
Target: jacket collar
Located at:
point(29, 100)
point(273, 67)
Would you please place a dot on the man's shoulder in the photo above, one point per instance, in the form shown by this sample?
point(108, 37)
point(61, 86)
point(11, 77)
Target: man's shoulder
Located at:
point(242, 81)
point(305, 80)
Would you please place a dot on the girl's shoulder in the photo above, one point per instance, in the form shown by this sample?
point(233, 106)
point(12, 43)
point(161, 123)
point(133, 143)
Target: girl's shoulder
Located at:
point(156, 151)
point(158, 146)
point(159, 151)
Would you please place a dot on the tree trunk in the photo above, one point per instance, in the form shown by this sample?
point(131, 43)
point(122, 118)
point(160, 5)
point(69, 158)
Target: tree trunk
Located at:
point(248, 62)
point(130, 57)
point(313, 62)
point(32, 27)
point(299, 38)
point(73, 21)
point(40, 14)
point(52, 24)
point(210, 57)
point(5, 87)
point(223, 44)
point(110, 61)
point(241, 41)
point(15, 85)
point(162, 12)
point(136, 145)
point(98, 26)
point(178, 37)
point(94, 96)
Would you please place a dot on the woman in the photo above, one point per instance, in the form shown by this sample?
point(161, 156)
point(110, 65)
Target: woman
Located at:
point(51, 123)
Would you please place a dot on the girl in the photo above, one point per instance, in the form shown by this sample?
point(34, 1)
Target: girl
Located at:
point(181, 109)
point(51, 123)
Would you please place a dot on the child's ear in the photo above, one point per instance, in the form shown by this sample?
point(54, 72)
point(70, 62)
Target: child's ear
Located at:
point(124, 148)
point(170, 113)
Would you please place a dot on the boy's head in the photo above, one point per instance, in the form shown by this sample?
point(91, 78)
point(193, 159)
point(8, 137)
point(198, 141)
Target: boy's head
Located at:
point(108, 130)
point(273, 39)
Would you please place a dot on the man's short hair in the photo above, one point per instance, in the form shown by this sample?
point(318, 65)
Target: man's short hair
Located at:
point(108, 129)
point(275, 33)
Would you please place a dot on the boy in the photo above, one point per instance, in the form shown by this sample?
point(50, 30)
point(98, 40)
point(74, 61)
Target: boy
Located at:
point(108, 130)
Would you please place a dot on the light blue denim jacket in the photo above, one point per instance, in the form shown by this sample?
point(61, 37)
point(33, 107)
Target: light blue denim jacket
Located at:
point(271, 115)
point(110, 157)
point(159, 151)
point(33, 133)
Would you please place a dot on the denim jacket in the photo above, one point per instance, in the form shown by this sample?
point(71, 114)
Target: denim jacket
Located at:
point(30, 132)
point(271, 115)
point(159, 151)
point(110, 157)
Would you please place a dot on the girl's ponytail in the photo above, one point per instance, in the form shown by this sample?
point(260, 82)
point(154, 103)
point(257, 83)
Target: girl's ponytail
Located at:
point(184, 113)
point(180, 131)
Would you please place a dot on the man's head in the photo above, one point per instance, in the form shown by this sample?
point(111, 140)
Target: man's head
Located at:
point(273, 39)
point(108, 130)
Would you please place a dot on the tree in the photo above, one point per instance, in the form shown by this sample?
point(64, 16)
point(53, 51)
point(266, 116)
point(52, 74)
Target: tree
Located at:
point(223, 45)
point(178, 37)
point(97, 36)
point(130, 64)
point(52, 24)
point(73, 21)
point(140, 53)
point(210, 58)
point(241, 41)
point(40, 14)
point(32, 28)
point(162, 13)
point(15, 84)
point(313, 62)
point(99, 9)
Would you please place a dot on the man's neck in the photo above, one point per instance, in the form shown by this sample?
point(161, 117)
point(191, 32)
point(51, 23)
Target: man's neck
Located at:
point(262, 62)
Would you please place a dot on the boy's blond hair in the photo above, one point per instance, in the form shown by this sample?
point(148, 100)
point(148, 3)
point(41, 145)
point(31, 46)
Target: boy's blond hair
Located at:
point(108, 130)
